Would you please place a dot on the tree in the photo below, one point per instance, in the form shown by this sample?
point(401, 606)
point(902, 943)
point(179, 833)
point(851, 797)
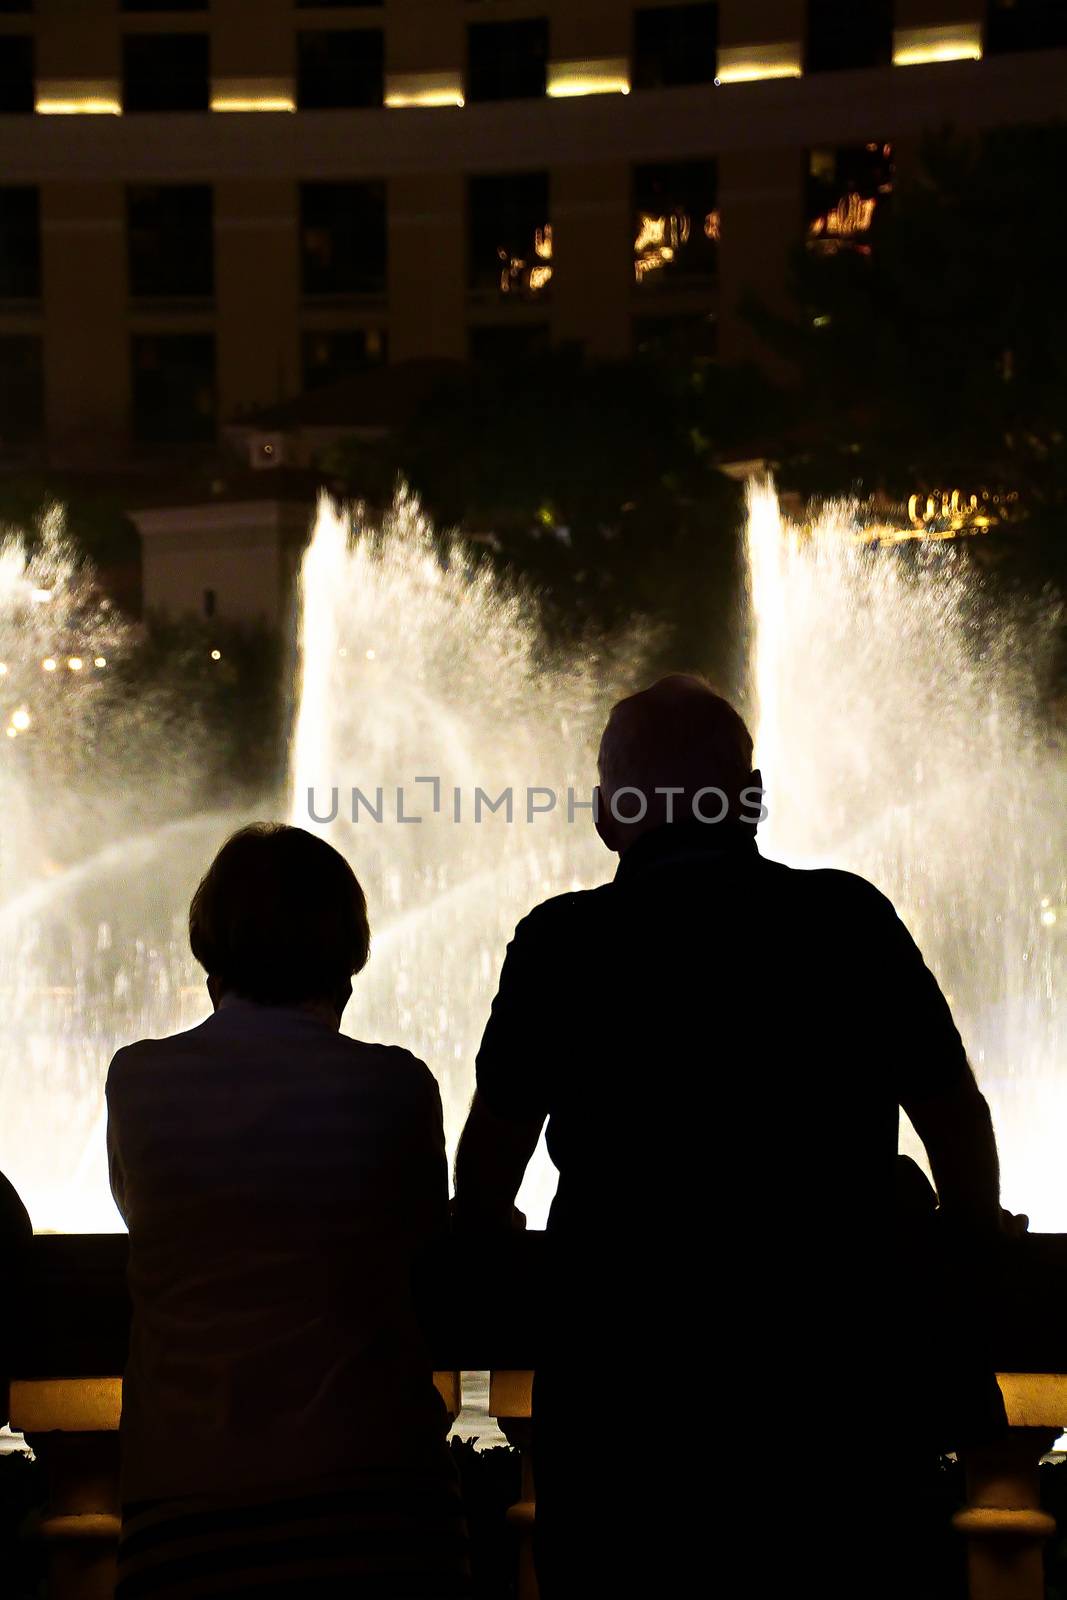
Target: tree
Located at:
point(939, 359)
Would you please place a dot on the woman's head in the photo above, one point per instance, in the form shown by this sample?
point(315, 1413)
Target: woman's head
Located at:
point(280, 918)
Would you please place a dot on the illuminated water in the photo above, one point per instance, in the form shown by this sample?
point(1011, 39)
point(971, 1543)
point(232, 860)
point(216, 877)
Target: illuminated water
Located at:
point(412, 666)
point(898, 737)
point(895, 734)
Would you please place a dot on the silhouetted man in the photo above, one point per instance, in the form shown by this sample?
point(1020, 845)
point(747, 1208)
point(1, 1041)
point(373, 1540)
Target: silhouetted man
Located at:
point(720, 1045)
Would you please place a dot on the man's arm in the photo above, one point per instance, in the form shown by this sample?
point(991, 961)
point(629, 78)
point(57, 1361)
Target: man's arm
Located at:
point(934, 1083)
point(514, 1069)
point(491, 1158)
point(957, 1130)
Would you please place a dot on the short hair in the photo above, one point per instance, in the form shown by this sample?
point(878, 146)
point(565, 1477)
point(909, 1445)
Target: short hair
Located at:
point(677, 733)
point(279, 917)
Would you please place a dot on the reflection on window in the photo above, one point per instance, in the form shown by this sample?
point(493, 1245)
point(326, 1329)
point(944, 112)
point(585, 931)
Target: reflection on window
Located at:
point(675, 45)
point(844, 34)
point(676, 223)
point(507, 60)
point(20, 244)
point(170, 240)
point(845, 188)
point(343, 238)
point(21, 390)
point(165, 72)
point(331, 356)
point(337, 69)
point(16, 73)
point(510, 236)
point(173, 388)
point(1025, 25)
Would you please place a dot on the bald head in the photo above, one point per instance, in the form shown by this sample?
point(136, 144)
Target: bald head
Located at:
point(677, 735)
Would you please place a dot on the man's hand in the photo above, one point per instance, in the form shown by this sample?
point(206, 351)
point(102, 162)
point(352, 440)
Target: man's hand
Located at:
point(490, 1162)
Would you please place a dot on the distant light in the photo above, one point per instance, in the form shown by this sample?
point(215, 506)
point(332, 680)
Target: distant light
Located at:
point(749, 63)
point(918, 47)
point(370, 655)
point(1048, 919)
point(21, 719)
point(820, 322)
point(253, 102)
point(40, 596)
point(3, 669)
point(88, 105)
point(75, 663)
point(216, 655)
point(570, 80)
point(49, 664)
point(427, 91)
point(12, 733)
point(100, 661)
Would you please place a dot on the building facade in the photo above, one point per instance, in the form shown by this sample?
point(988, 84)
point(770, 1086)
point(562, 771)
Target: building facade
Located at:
point(208, 207)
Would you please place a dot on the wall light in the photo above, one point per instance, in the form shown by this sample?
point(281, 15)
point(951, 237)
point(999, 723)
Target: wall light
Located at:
point(406, 90)
point(567, 80)
point(748, 63)
point(252, 94)
point(78, 97)
point(954, 41)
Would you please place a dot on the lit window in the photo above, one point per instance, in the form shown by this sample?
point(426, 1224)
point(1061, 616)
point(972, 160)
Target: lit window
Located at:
point(510, 236)
point(845, 188)
point(675, 45)
point(676, 223)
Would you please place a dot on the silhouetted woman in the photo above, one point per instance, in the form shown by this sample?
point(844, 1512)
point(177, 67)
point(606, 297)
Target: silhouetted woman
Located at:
point(280, 1429)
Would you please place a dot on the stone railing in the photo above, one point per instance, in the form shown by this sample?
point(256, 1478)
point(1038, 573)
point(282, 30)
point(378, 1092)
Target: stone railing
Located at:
point(66, 1397)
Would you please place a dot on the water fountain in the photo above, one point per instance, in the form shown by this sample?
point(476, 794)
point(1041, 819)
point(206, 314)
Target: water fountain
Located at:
point(899, 737)
point(895, 733)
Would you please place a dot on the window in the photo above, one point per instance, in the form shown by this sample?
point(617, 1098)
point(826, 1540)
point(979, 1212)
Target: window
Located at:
point(331, 357)
point(165, 72)
point(20, 244)
point(16, 73)
point(10, 8)
point(1026, 25)
point(209, 602)
point(170, 240)
point(342, 238)
point(340, 69)
point(676, 223)
point(174, 388)
point(338, 5)
point(675, 45)
point(845, 187)
point(842, 34)
point(510, 236)
point(163, 5)
point(508, 344)
point(21, 390)
point(690, 337)
point(507, 60)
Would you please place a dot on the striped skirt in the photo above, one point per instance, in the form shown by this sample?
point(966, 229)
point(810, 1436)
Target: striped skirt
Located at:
point(379, 1536)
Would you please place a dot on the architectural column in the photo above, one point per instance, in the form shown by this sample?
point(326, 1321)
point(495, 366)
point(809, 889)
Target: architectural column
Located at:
point(761, 199)
point(427, 263)
point(257, 293)
point(592, 247)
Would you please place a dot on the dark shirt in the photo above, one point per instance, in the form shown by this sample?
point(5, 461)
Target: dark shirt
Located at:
point(720, 1044)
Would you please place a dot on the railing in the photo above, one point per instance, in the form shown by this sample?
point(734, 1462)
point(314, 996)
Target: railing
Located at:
point(66, 1398)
